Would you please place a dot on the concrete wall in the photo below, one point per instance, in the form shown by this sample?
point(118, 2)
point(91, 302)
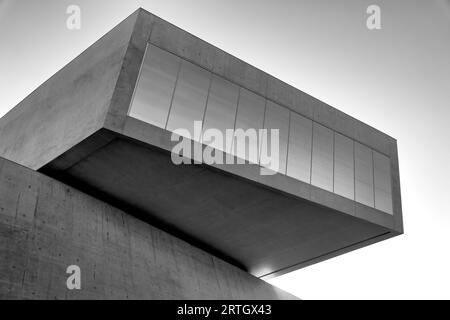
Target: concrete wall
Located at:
point(46, 226)
point(68, 107)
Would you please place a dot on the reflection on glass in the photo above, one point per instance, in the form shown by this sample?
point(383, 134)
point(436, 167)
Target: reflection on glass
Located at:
point(300, 144)
point(343, 167)
point(277, 117)
point(250, 116)
point(189, 100)
point(322, 158)
point(382, 175)
point(151, 102)
point(221, 109)
point(363, 175)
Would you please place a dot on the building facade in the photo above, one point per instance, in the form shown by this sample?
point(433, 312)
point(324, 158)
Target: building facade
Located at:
point(103, 126)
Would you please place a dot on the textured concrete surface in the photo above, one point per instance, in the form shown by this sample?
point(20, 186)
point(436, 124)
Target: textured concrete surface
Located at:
point(68, 107)
point(45, 226)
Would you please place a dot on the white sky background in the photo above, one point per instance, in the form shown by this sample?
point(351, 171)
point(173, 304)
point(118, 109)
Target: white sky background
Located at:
point(396, 79)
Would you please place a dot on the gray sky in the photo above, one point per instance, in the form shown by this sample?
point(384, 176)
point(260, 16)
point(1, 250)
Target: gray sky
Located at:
point(396, 79)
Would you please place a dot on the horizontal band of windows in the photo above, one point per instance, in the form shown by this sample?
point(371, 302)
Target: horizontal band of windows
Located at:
point(173, 93)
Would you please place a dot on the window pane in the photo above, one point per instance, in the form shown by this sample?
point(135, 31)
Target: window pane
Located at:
point(363, 175)
point(277, 117)
point(221, 108)
point(322, 161)
point(300, 144)
point(382, 174)
point(189, 100)
point(250, 115)
point(343, 167)
point(151, 102)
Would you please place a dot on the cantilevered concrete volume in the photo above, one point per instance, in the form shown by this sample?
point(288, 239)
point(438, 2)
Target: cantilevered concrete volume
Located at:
point(96, 143)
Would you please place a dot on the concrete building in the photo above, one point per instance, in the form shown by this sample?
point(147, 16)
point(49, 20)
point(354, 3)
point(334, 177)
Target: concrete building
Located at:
point(88, 178)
